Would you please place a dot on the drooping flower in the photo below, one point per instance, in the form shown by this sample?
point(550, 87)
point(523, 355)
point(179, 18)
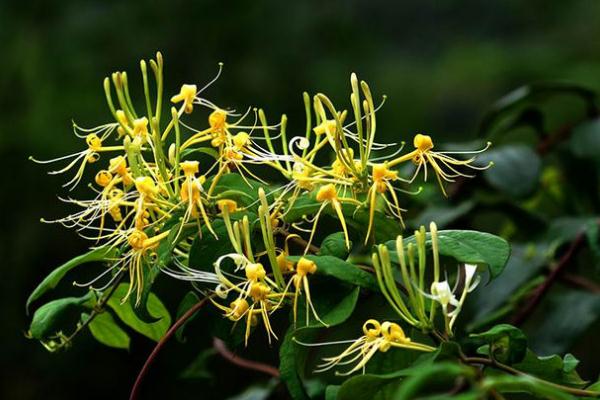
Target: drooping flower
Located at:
point(443, 164)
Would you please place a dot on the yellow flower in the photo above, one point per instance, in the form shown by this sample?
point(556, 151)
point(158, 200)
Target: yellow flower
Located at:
point(299, 279)
point(257, 290)
point(442, 162)
point(191, 193)
point(187, 94)
point(376, 337)
point(327, 195)
point(382, 178)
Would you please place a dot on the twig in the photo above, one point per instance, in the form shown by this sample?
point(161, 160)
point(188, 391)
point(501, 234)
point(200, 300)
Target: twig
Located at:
point(98, 309)
point(580, 282)
point(138, 381)
point(227, 354)
point(298, 240)
point(543, 288)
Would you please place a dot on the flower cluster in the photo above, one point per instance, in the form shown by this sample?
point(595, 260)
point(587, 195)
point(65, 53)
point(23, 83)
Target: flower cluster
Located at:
point(410, 260)
point(153, 191)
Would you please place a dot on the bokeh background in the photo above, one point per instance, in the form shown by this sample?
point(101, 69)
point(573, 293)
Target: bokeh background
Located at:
point(441, 63)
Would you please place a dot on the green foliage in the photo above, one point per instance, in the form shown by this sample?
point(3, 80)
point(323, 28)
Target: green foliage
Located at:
point(390, 313)
point(334, 308)
point(516, 171)
point(54, 278)
point(106, 330)
point(506, 343)
point(470, 247)
point(334, 245)
point(52, 316)
point(342, 270)
point(156, 309)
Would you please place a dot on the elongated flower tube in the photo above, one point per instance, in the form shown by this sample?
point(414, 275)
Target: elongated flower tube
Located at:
point(388, 286)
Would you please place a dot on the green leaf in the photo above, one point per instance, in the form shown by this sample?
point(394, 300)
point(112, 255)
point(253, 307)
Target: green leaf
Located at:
point(520, 97)
point(234, 187)
point(430, 379)
point(333, 308)
point(188, 301)
point(508, 344)
point(468, 247)
point(50, 318)
point(524, 384)
point(585, 139)
point(442, 214)
point(205, 251)
point(405, 383)
point(293, 356)
point(105, 329)
point(288, 368)
point(126, 313)
point(50, 282)
point(342, 270)
point(524, 263)
point(334, 245)
point(552, 368)
point(568, 315)
point(516, 169)
point(257, 391)
point(199, 368)
point(141, 309)
point(385, 227)
point(565, 229)
point(331, 392)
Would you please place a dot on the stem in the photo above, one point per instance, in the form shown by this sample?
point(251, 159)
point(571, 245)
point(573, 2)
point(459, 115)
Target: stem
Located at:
point(146, 367)
point(227, 354)
point(542, 289)
point(580, 282)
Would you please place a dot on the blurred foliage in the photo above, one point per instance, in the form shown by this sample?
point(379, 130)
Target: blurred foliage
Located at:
point(440, 63)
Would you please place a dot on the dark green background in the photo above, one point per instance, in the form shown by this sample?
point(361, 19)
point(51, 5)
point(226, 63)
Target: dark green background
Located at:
point(440, 62)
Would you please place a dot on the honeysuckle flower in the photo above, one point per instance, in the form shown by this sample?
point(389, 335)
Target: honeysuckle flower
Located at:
point(186, 94)
point(150, 192)
point(382, 178)
point(192, 195)
point(82, 158)
point(446, 297)
point(133, 261)
point(327, 195)
point(377, 337)
point(303, 268)
point(442, 162)
point(257, 289)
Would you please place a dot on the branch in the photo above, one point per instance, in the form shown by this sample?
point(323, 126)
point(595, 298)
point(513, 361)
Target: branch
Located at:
point(543, 288)
point(227, 354)
point(580, 282)
point(138, 381)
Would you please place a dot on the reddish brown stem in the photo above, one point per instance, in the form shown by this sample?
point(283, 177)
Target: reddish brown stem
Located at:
point(581, 283)
point(138, 381)
point(543, 288)
point(227, 354)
